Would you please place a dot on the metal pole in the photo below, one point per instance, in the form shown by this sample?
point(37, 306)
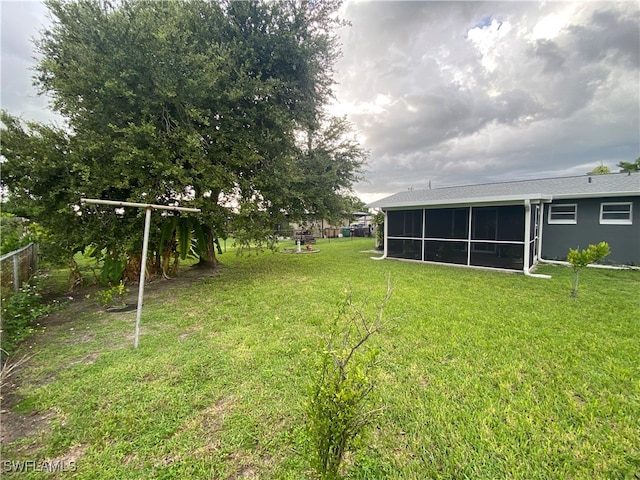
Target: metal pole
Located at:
point(143, 272)
point(145, 242)
point(527, 236)
point(16, 274)
point(116, 203)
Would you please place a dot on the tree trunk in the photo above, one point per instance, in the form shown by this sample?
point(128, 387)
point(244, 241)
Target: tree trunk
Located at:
point(208, 257)
point(75, 275)
point(576, 279)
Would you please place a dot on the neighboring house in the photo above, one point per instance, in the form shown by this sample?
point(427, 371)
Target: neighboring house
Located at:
point(320, 228)
point(512, 225)
point(324, 228)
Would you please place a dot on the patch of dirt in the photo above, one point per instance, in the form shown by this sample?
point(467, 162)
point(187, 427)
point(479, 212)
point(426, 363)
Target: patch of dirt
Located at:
point(71, 456)
point(183, 336)
point(87, 360)
point(76, 302)
point(302, 251)
point(211, 418)
point(245, 471)
point(248, 464)
point(16, 426)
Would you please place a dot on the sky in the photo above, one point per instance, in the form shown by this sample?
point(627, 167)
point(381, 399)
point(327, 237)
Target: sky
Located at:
point(452, 93)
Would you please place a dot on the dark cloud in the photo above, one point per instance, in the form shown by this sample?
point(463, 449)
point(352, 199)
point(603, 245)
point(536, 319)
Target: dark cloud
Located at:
point(461, 92)
point(611, 36)
point(551, 54)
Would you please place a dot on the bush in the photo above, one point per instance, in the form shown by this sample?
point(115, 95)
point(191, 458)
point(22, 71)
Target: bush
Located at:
point(112, 296)
point(341, 404)
point(19, 310)
point(16, 232)
point(581, 258)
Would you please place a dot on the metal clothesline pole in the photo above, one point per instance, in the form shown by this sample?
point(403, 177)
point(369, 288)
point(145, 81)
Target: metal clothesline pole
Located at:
point(145, 244)
point(143, 272)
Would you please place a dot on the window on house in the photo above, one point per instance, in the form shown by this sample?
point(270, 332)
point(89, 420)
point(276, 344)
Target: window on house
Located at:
point(563, 213)
point(618, 213)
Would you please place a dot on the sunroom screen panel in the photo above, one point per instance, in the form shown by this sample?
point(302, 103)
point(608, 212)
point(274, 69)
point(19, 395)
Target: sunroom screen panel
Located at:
point(511, 223)
point(497, 255)
point(447, 223)
point(404, 223)
point(445, 252)
point(404, 248)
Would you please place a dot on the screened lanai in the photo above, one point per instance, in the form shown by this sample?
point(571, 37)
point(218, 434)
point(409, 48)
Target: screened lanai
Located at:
point(498, 225)
point(497, 236)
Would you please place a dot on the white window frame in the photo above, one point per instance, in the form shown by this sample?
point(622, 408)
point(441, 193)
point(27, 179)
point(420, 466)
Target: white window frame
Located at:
point(564, 221)
point(617, 221)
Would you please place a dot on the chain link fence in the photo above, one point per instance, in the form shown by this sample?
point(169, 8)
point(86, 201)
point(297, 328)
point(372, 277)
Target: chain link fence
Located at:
point(18, 266)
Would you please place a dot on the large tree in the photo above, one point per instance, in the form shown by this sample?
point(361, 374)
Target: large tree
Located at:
point(202, 103)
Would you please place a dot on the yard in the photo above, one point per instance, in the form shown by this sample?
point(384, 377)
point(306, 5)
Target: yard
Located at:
point(485, 374)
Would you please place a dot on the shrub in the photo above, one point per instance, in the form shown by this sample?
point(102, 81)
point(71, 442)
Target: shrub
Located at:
point(113, 295)
point(581, 258)
point(341, 404)
point(16, 232)
point(19, 310)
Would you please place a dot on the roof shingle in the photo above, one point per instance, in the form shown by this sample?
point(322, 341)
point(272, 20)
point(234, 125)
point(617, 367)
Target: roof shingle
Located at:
point(613, 184)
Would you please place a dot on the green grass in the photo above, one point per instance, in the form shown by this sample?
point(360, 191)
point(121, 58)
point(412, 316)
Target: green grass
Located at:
point(485, 374)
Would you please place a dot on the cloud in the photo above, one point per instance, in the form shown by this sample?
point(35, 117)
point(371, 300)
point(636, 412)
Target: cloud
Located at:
point(20, 24)
point(479, 92)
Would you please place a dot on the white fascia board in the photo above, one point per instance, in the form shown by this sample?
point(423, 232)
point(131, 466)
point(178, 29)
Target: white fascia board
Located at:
point(567, 196)
point(467, 202)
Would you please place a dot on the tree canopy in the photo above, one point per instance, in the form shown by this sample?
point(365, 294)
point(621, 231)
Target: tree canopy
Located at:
point(212, 105)
point(601, 169)
point(630, 166)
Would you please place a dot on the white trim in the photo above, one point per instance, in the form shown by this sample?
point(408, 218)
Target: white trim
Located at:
point(628, 221)
point(424, 232)
point(468, 202)
point(568, 196)
point(540, 225)
point(527, 236)
point(460, 240)
point(591, 265)
point(567, 221)
point(406, 238)
point(469, 235)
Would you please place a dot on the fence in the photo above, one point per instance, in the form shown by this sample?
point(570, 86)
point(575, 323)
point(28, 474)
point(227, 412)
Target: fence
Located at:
point(17, 267)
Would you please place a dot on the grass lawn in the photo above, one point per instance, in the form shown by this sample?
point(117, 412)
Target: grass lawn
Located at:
point(485, 374)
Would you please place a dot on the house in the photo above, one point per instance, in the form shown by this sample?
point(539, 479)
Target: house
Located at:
point(512, 225)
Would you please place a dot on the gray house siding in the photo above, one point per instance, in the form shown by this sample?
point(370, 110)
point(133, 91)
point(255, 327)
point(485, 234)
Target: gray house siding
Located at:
point(624, 240)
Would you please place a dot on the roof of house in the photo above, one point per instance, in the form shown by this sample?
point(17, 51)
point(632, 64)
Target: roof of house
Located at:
point(583, 186)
